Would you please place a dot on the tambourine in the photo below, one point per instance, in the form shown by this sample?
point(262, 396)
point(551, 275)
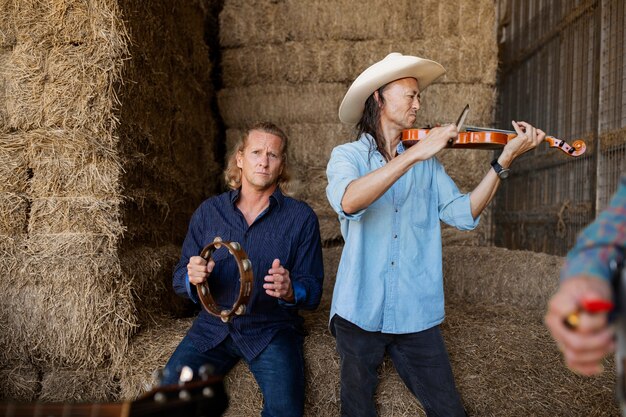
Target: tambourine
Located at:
point(246, 281)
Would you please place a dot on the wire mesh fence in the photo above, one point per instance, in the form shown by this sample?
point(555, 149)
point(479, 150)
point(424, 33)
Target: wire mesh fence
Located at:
point(562, 69)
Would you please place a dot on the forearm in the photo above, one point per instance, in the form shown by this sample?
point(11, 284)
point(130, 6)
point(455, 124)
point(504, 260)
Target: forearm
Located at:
point(484, 193)
point(365, 190)
point(486, 190)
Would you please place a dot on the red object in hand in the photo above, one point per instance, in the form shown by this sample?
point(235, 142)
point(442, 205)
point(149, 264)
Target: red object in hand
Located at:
point(597, 306)
point(592, 306)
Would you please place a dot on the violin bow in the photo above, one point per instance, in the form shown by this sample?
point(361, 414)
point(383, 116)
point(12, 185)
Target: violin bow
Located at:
point(461, 120)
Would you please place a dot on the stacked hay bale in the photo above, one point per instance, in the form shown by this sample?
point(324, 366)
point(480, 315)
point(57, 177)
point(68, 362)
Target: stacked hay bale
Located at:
point(95, 200)
point(60, 72)
point(291, 62)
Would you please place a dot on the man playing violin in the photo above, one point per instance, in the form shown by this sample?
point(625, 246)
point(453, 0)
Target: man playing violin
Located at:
point(388, 295)
point(282, 240)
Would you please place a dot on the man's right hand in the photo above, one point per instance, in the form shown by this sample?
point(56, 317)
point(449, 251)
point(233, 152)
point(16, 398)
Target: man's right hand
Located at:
point(585, 346)
point(436, 140)
point(199, 269)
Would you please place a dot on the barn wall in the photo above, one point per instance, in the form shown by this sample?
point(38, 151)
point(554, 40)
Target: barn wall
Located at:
point(563, 70)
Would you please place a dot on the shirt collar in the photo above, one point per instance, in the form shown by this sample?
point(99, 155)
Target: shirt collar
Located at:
point(400, 148)
point(368, 140)
point(277, 197)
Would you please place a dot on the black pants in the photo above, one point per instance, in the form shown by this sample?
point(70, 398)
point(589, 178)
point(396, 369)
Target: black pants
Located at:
point(420, 358)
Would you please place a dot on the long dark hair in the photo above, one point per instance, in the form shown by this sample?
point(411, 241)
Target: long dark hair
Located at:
point(370, 123)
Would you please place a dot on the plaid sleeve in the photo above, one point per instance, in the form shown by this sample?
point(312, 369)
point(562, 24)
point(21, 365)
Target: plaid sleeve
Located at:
point(601, 242)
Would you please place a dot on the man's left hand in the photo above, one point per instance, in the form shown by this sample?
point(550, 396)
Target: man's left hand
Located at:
point(528, 137)
point(278, 284)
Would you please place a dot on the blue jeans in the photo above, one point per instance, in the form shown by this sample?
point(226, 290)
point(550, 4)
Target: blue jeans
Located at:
point(420, 358)
point(278, 369)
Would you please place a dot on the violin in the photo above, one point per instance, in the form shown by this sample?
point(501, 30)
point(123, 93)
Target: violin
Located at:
point(486, 138)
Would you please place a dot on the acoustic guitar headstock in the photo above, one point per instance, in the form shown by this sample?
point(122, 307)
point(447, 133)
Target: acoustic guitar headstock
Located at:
point(192, 396)
point(203, 395)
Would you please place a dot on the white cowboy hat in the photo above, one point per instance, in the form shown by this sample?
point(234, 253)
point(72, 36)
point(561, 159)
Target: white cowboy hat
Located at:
point(393, 67)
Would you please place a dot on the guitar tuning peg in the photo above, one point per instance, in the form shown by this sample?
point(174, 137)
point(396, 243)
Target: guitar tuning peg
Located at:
point(206, 371)
point(186, 375)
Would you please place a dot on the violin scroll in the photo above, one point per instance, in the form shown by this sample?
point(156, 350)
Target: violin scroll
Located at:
point(577, 148)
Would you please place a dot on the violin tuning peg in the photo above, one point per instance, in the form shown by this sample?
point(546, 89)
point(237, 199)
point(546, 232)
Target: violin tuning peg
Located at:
point(186, 375)
point(206, 371)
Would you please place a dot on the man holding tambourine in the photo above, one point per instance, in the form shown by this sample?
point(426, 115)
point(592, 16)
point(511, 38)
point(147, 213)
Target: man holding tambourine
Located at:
point(278, 239)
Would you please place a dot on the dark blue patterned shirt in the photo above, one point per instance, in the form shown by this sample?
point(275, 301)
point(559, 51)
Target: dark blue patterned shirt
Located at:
point(288, 230)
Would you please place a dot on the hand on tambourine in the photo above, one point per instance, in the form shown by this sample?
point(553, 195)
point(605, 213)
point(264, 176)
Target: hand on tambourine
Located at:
point(198, 269)
point(277, 282)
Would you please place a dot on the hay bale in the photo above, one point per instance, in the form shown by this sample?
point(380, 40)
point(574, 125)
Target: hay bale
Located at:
point(12, 250)
point(341, 61)
point(506, 364)
point(60, 76)
point(283, 104)
point(314, 193)
point(86, 276)
point(13, 213)
point(148, 351)
point(4, 57)
point(71, 385)
point(85, 336)
point(380, 19)
point(442, 103)
point(7, 34)
point(149, 271)
point(24, 85)
point(36, 322)
point(63, 22)
point(50, 215)
point(82, 96)
point(70, 163)
point(14, 171)
point(44, 85)
point(494, 275)
point(19, 382)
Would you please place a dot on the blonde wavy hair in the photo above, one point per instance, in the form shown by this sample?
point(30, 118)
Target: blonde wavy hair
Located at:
point(232, 173)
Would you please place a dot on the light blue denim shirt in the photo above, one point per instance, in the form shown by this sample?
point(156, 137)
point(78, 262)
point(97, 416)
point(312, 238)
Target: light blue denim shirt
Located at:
point(390, 274)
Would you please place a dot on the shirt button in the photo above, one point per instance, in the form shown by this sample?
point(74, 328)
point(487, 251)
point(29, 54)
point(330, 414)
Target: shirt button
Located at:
point(392, 263)
point(395, 236)
point(396, 210)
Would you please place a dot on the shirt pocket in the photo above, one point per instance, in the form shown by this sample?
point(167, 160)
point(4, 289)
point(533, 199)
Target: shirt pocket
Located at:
point(275, 246)
point(423, 209)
